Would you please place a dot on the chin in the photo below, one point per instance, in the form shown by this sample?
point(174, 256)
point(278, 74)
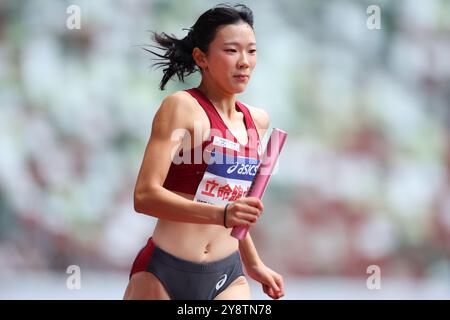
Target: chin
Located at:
point(238, 88)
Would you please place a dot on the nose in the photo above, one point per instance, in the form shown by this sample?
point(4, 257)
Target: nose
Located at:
point(243, 62)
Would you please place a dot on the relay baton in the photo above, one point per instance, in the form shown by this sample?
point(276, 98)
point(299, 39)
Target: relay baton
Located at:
point(262, 176)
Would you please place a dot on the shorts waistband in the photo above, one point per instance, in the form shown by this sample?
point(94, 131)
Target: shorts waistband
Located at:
point(189, 266)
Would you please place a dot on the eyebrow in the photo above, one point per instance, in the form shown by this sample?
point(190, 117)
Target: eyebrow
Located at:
point(238, 44)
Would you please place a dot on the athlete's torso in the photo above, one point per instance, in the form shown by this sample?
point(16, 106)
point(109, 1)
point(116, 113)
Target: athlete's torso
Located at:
point(197, 242)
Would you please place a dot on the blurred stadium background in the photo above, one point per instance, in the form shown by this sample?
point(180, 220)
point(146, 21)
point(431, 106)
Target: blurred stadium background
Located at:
point(364, 178)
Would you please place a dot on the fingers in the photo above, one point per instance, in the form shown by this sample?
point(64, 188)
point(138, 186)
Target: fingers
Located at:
point(242, 214)
point(266, 289)
point(271, 292)
point(275, 288)
point(248, 209)
point(243, 219)
point(274, 285)
point(280, 283)
point(254, 202)
point(250, 219)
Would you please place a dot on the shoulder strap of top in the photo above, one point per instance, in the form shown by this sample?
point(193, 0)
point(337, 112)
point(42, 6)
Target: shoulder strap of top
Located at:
point(212, 116)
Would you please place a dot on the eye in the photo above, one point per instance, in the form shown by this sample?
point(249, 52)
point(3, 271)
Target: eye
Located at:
point(230, 50)
point(252, 51)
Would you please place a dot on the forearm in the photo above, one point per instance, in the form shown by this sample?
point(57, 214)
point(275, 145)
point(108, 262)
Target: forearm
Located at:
point(162, 203)
point(248, 251)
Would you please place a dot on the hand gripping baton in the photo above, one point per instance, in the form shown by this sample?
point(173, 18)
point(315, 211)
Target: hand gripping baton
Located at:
point(262, 176)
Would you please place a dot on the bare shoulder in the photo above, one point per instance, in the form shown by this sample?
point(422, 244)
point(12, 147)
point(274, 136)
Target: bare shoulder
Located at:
point(179, 101)
point(260, 117)
point(176, 110)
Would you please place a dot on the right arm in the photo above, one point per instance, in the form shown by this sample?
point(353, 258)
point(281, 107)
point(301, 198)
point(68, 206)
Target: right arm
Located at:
point(150, 197)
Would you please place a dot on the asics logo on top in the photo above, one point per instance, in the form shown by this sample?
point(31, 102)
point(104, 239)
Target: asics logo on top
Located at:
point(247, 169)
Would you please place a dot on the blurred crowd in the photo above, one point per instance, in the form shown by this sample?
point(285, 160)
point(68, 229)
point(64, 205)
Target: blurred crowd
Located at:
point(364, 178)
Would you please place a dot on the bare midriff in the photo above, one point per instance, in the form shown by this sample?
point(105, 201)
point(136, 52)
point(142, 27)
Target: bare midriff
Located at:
point(200, 243)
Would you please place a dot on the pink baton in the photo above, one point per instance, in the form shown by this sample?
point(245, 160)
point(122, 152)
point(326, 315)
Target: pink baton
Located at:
point(262, 176)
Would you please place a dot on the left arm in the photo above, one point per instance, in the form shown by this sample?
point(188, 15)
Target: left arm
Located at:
point(248, 252)
point(272, 282)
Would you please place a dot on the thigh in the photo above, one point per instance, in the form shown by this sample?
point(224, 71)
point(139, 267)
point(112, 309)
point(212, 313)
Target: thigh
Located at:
point(145, 286)
point(237, 290)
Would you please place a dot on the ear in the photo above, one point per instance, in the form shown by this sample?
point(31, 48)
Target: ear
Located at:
point(199, 58)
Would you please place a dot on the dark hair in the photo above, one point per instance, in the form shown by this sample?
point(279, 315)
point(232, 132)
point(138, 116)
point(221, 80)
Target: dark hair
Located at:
point(177, 56)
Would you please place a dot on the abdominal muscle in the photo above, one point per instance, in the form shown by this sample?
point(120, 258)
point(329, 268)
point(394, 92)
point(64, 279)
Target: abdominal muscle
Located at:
point(200, 243)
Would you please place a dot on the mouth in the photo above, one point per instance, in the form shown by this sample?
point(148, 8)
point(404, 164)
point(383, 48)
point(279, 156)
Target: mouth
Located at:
point(241, 77)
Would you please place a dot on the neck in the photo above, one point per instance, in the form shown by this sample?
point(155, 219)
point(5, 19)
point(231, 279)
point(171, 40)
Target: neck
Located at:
point(223, 101)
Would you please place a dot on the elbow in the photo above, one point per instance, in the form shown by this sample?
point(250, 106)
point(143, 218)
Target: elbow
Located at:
point(137, 203)
point(142, 201)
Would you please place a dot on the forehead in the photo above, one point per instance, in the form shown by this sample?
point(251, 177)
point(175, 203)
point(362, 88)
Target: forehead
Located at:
point(241, 33)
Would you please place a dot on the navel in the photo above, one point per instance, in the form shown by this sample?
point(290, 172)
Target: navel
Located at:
point(207, 247)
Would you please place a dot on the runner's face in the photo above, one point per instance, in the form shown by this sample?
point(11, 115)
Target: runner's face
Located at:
point(231, 57)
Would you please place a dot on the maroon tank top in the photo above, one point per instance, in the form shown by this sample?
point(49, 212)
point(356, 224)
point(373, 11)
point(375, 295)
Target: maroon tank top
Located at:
point(186, 175)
